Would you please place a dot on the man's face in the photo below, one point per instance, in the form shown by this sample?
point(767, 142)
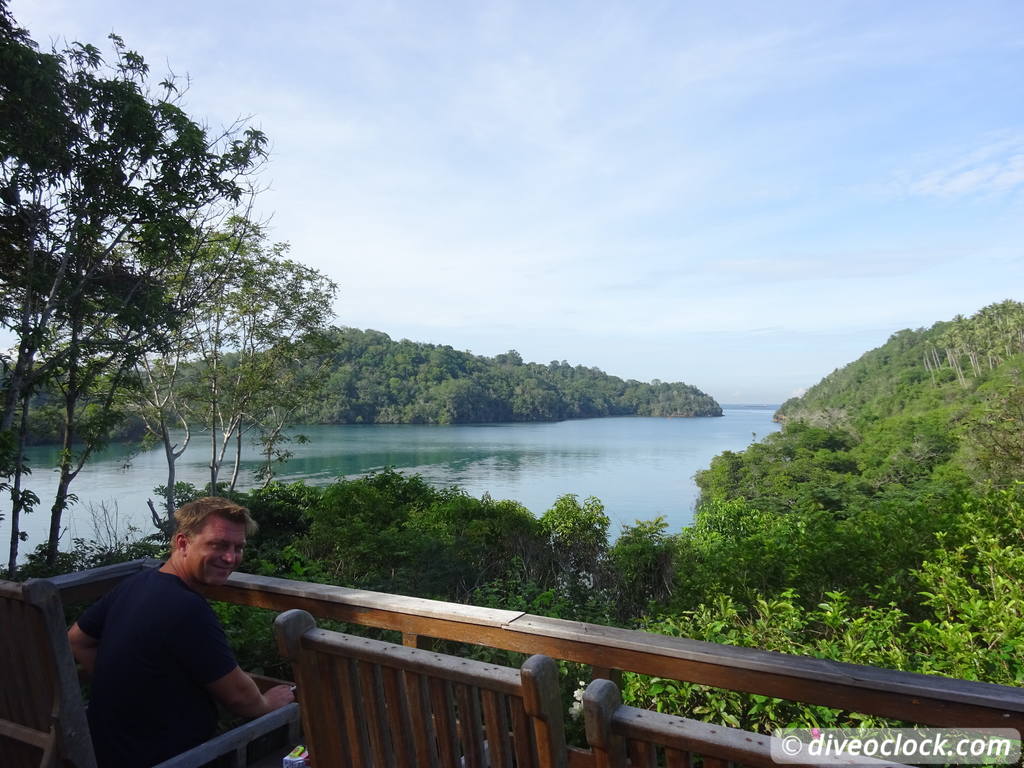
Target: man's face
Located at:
point(209, 557)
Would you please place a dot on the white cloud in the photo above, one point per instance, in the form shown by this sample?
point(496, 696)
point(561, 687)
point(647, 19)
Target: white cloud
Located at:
point(994, 168)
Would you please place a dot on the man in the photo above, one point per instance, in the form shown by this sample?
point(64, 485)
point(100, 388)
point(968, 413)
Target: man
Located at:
point(156, 653)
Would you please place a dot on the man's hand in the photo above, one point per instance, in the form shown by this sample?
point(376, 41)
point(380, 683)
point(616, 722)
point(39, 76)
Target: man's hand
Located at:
point(239, 694)
point(83, 648)
point(278, 696)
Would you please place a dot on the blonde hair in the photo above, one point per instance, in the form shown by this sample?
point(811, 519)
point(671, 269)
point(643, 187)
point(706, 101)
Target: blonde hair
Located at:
point(192, 517)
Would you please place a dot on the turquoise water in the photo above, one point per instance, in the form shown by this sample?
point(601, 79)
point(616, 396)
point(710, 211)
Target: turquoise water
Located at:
point(638, 467)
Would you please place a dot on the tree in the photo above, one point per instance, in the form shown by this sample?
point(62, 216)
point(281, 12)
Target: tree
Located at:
point(994, 433)
point(248, 335)
point(104, 180)
point(644, 562)
point(579, 537)
point(158, 402)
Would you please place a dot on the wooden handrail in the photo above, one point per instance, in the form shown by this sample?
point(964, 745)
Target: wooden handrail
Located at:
point(926, 699)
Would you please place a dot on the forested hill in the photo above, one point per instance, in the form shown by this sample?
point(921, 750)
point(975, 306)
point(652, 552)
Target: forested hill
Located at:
point(369, 378)
point(882, 524)
point(929, 411)
point(946, 365)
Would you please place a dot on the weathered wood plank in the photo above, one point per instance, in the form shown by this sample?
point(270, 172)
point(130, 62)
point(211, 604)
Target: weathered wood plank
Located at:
point(375, 601)
point(18, 697)
point(543, 702)
point(375, 715)
point(607, 673)
point(37, 668)
point(919, 698)
point(352, 706)
point(522, 734)
point(471, 726)
point(581, 758)
point(424, 732)
point(641, 726)
point(234, 739)
point(600, 701)
point(312, 702)
point(329, 699)
point(468, 671)
point(399, 722)
point(32, 736)
point(86, 586)
point(642, 754)
point(442, 705)
point(499, 738)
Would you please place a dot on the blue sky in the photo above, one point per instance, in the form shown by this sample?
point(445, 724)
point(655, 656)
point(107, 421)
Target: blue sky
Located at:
point(742, 196)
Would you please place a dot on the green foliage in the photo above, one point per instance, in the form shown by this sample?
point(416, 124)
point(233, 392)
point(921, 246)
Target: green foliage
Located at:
point(393, 533)
point(250, 633)
point(994, 431)
point(281, 510)
point(832, 629)
point(643, 560)
point(969, 624)
point(85, 554)
point(578, 531)
point(372, 379)
point(735, 548)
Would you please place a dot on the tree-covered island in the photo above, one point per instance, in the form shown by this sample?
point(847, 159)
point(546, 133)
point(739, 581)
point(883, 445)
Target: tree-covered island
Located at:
point(369, 378)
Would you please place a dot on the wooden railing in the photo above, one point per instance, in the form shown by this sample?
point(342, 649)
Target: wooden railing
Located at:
point(924, 699)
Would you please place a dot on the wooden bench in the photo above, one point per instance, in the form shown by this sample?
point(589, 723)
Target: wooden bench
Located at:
point(621, 736)
point(42, 720)
point(42, 716)
point(371, 703)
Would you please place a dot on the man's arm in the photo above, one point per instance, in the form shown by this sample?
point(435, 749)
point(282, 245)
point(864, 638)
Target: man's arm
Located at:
point(237, 691)
point(83, 647)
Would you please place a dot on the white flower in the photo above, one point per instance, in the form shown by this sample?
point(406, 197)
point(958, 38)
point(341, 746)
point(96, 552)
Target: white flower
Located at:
point(576, 708)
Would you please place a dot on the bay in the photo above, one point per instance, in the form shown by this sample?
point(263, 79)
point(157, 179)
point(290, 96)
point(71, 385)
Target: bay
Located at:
point(638, 467)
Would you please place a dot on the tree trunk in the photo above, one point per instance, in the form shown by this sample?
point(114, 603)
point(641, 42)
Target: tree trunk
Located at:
point(171, 472)
point(17, 502)
point(60, 501)
point(214, 463)
point(954, 363)
point(238, 459)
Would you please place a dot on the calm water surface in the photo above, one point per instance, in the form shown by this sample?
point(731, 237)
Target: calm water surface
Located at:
point(638, 467)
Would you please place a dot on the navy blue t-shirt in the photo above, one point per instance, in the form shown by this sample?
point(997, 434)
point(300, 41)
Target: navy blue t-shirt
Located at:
point(160, 645)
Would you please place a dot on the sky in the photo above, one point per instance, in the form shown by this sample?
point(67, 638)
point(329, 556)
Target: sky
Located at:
point(741, 196)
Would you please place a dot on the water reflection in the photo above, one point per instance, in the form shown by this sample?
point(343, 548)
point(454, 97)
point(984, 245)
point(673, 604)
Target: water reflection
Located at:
point(639, 467)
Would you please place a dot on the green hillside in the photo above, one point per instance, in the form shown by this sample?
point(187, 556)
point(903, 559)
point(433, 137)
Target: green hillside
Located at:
point(369, 378)
point(882, 524)
point(930, 411)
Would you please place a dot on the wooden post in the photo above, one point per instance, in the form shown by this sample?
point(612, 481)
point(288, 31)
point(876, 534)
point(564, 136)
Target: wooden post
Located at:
point(75, 741)
point(607, 673)
point(543, 703)
point(289, 628)
point(413, 640)
point(600, 700)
